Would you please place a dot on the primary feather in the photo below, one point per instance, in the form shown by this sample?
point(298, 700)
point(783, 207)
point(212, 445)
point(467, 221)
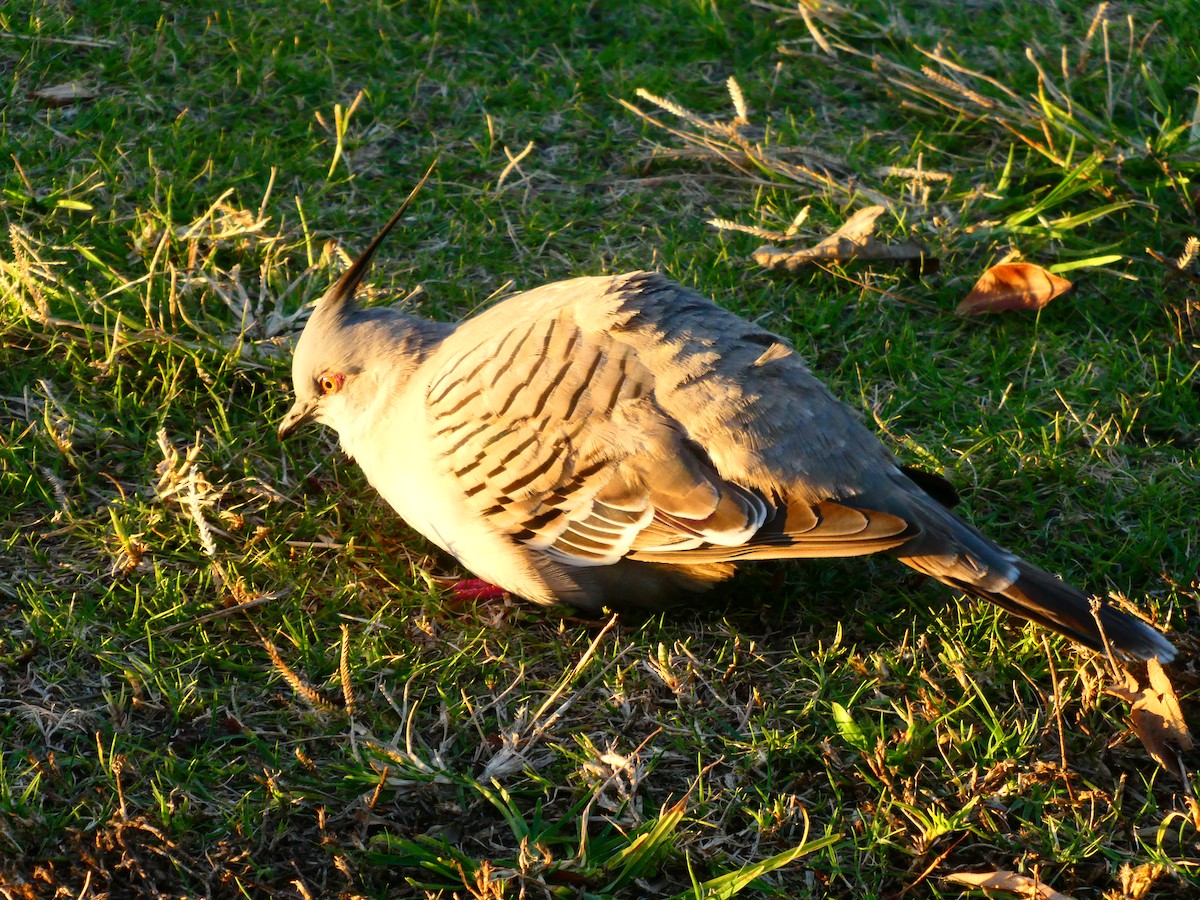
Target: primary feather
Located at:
point(612, 441)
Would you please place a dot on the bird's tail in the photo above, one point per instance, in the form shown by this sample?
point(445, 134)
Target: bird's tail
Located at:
point(955, 553)
point(1040, 597)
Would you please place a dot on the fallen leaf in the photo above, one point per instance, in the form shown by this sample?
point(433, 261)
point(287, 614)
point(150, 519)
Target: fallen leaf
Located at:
point(1011, 286)
point(859, 227)
point(65, 94)
point(1009, 883)
point(1158, 721)
point(1155, 716)
point(853, 241)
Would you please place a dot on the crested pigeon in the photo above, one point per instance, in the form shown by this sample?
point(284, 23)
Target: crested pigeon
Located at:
point(619, 441)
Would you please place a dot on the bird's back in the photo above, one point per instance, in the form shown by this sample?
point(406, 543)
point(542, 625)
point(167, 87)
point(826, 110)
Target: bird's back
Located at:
point(739, 391)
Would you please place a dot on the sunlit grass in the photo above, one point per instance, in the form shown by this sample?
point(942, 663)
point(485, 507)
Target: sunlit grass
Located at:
point(226, 668)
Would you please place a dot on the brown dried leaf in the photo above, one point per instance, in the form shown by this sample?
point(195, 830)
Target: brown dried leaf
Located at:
point(1129, 691)
point(1012, 286)
point(859, 227)
point(65, 94)
point(1155, 716)
point(853, 241)
point(1009, 883)
point(1158, 721)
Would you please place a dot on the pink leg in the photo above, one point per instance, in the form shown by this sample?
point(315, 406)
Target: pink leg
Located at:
point(476, 590)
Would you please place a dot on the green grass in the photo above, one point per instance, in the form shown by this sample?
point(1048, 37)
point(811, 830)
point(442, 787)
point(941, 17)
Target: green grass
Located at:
point(836, 729)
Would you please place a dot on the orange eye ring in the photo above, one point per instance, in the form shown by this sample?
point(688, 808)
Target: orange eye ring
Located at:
point(329, 382)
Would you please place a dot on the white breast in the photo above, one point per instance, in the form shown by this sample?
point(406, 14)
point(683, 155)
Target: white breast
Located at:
point(398, 461)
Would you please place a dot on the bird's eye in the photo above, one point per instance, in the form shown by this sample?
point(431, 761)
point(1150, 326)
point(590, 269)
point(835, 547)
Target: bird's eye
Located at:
point(329, 382)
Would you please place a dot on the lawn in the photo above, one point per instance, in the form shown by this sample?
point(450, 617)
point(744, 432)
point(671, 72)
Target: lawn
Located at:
point(227, 669)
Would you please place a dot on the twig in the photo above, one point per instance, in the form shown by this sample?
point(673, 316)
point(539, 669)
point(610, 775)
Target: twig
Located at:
point(70, 42)
point(228, 611)
point(1062, 737)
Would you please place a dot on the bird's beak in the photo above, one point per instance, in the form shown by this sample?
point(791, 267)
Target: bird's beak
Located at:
point(300, 413)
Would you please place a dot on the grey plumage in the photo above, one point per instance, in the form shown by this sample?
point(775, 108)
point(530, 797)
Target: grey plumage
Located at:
point(615, 441)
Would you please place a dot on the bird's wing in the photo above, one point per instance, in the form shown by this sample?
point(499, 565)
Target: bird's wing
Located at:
point(554, 432)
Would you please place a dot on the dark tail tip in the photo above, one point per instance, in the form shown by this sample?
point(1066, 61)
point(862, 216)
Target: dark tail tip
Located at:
point(1040, 597)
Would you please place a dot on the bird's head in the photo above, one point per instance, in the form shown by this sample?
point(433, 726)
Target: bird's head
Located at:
point(325, 367)
point(344, 349)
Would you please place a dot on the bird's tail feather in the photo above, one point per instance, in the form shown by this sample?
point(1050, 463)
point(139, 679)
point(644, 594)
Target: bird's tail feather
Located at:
point(1040, 597)
point(957, 554)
